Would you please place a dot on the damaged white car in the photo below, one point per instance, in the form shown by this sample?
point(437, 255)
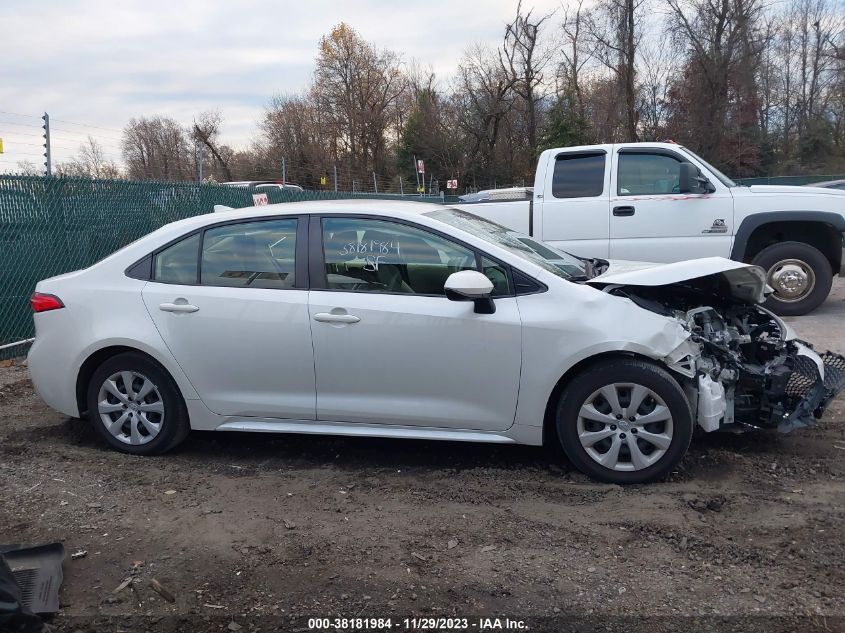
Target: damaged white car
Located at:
point(413, 321)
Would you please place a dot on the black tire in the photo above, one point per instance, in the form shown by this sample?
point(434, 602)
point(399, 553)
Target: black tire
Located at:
point(638, 372)
point(173, 426)
point(810, 256)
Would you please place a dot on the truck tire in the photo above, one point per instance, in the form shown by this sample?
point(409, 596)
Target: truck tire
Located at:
point(800, 275)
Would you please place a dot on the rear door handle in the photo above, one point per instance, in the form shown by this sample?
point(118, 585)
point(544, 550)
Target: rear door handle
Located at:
point(178, 307)
point(622, 211)
point(328, 317)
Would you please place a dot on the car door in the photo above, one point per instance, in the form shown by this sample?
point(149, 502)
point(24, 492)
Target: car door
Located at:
point(390, 348)
point(575, 202)
point(651, 221)
point(231, 303)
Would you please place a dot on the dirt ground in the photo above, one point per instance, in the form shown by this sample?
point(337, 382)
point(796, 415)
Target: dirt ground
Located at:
point(260, 532)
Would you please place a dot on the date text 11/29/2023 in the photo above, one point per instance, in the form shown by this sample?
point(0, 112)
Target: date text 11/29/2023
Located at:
point(416, 624)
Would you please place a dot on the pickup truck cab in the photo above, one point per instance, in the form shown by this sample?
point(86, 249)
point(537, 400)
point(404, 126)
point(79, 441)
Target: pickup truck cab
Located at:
point(660, 202)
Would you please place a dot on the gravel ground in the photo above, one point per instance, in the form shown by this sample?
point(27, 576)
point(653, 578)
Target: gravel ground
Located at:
point(261, 533)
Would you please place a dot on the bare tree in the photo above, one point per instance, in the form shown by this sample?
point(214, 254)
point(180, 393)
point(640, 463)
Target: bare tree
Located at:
point(90, 162)
point(657, 67)
point(525, 61)
point(28, 168)
point(575, 55)
point(156, 148)
point(483, 97)
point(207, 132)
point(723, 43)
point(615, 30)
point(356, 86)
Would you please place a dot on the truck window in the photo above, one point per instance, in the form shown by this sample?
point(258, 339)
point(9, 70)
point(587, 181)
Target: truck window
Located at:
point(647, 174)
point(578, 175)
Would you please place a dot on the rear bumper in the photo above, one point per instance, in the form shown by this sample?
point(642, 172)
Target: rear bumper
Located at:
point(53, 375)
point(813, 391)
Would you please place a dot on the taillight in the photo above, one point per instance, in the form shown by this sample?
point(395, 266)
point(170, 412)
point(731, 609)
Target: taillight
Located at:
point(42, 302)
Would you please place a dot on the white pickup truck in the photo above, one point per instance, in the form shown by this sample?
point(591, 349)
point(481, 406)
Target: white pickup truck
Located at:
point(659, 202)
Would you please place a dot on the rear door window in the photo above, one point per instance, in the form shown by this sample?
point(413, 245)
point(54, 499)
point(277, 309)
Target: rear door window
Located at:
point(579, 175)
point(250, 254)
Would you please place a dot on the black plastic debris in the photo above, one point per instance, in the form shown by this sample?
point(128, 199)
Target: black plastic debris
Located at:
point(15, 617)
point(30, 578)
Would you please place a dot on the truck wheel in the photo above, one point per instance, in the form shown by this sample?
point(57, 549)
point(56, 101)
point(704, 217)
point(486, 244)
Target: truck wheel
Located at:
point(800, 275)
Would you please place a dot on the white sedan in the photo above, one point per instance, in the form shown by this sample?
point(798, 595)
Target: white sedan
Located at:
point(413, 320)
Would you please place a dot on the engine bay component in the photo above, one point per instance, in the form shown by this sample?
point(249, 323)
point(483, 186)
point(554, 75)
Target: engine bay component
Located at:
point(750, 371)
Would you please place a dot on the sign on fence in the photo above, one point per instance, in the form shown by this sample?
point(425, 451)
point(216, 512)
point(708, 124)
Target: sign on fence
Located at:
point(451, 184)
point(260, 199)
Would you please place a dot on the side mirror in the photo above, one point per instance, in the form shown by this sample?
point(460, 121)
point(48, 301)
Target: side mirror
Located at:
point(471, 285)
point(691, 180)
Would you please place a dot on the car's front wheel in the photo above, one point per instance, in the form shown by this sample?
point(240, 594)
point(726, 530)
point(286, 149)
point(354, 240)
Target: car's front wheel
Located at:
point(135, 405)
point(624, 421)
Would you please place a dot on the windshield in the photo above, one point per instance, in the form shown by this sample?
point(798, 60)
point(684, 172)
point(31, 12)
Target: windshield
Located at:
point(722, 178)
point(555, 261)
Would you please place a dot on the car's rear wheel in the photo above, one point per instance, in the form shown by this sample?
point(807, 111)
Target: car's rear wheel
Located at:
point(624, 421)
point(135, 405)
point(800, 275)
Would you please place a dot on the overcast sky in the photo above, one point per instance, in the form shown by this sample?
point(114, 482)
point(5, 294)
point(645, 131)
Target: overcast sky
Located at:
point(101, 62)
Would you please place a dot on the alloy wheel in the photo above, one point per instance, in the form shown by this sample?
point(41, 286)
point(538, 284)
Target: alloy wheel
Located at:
point(625, 426)
point(130, 407)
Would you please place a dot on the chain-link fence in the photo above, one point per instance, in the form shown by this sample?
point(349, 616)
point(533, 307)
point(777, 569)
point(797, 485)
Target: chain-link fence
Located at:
point(50, 226)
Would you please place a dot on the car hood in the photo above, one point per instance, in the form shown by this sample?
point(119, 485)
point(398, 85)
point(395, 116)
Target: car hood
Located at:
point(747, 282)
point(794, 190)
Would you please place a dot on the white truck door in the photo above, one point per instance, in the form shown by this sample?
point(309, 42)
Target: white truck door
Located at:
point(651, 221)
point(573, 213)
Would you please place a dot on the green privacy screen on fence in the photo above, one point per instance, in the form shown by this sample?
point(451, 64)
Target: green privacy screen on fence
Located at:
point(50, 226)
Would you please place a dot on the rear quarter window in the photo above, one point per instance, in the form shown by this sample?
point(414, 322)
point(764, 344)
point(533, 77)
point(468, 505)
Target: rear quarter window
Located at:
point(178, 263)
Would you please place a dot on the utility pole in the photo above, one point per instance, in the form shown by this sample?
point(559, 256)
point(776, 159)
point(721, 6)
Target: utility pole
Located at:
point(284, 172)
point(46, 127)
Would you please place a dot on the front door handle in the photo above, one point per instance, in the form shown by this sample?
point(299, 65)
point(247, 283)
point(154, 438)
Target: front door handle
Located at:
point(328, 317)
point(623, 211)
point(178, 307)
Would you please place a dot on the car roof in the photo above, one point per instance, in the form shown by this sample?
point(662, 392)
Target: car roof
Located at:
point(370, 207)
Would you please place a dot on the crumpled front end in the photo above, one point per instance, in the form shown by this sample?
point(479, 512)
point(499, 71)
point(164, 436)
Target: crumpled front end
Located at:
point(743, 367)
point(749, 373)
point(813, 383)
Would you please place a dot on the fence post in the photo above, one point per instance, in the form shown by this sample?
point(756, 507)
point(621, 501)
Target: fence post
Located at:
point(401, 187)
point(284, 172)
point(375, 182)
point(335, 177)
point(46, 127)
